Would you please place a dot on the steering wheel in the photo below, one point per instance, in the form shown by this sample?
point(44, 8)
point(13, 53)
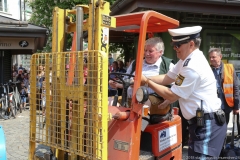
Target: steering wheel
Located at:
point(119, 77)
point(126, 83)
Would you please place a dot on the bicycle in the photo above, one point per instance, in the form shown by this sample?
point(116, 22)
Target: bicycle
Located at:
point(3, 102)
point(16, 97)
point(6, 107)
point(12, 111)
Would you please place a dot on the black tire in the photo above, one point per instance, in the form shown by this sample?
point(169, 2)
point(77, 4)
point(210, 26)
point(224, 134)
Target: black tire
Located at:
point(17, 107)
point(20, 103)
point(2, 109)
point(10, 111)
point(14, 107)
point(18, 100)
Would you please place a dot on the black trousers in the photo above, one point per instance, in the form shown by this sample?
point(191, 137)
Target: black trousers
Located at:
point(238, 125)
point(185, 132)
point(227, 115)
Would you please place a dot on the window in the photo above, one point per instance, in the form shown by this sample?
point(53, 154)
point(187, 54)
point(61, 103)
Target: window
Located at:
point(3, 6)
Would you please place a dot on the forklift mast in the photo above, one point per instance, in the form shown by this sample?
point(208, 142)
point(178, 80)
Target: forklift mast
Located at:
point(78, 123)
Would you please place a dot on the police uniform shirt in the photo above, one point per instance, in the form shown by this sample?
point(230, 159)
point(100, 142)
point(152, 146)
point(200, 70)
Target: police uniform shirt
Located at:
point(194, 81)
point(147, 70)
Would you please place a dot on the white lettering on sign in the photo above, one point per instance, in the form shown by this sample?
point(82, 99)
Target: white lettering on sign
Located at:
point(2, 44)
point(235, 55)
point(17, 43)
point(167, 137)
point(106, 20)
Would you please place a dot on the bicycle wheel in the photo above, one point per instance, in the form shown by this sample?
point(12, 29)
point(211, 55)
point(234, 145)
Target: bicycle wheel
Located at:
point(17, 100)
point(2, 109)
point(9, 111)
point(12, 110)
point(14, 107)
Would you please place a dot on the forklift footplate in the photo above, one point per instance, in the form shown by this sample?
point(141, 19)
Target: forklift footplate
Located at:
point(43, 152)
point(146, 155)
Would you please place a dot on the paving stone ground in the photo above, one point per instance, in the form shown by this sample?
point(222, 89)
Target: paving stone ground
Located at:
point(17, 137)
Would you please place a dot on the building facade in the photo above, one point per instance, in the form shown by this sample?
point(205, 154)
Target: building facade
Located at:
point(18, 38)
point(16, 9)
point(220, 20)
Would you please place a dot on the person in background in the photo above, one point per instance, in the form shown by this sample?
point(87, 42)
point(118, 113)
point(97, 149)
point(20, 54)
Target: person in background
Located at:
point(110, 62)
point(113, 91)
point(195, 88)
point(14, 68)
point(43, 97)
point(40, 78)
point(20, 67)
point(128, 63)
point(14, 76)
point(23, 94)
point(41, 70)
point(85, 70)
point(26, 79)
point(227, 82)
point(130, 60)
point(27, 85)
point(121, 70)
point(121, 67)
point(29, 98)
point(20, 75)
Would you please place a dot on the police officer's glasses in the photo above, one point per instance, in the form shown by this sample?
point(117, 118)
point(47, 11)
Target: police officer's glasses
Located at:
point(178, 44)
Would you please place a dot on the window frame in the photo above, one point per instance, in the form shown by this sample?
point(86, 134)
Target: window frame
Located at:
point(3, 6)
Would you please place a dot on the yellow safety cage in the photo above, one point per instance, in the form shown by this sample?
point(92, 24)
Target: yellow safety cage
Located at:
point(75, 124)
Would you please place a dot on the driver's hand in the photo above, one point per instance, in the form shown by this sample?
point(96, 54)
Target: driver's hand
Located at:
point(235, 111)
point(143, 80)
point(132, 83)
point(164, 104)
point(113, 84)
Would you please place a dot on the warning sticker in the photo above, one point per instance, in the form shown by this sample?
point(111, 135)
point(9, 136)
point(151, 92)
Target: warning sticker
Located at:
point(167, 137)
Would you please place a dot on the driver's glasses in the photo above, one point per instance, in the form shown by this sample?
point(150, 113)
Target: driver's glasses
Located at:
point(178, 44)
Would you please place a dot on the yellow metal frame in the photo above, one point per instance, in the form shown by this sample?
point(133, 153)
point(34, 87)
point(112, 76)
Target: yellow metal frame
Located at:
point(87, 141)
point(84, 138)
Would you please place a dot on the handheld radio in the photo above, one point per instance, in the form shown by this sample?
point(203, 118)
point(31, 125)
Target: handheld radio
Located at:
point(200, 116)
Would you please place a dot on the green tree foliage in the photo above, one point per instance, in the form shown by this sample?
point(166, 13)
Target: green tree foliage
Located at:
point(42, 15)
point(126, 50)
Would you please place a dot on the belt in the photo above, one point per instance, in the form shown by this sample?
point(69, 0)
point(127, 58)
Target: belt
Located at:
point(207, 116)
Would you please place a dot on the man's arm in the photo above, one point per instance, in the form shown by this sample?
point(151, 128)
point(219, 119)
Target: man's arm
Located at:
point(159, 79)
point(114, 84)
point(163, 91)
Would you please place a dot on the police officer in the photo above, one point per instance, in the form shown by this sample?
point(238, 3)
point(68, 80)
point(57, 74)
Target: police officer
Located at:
point(195, 88)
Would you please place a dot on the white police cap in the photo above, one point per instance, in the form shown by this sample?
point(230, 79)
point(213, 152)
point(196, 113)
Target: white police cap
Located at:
point(185, 33)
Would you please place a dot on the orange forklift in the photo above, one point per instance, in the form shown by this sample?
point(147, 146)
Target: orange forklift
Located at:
point(78, 123)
